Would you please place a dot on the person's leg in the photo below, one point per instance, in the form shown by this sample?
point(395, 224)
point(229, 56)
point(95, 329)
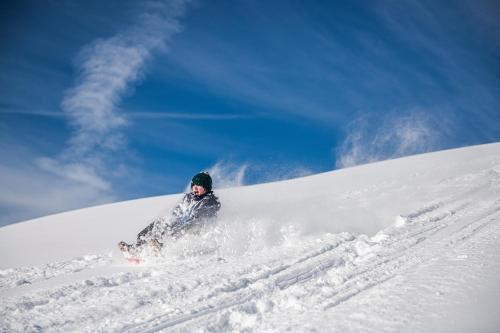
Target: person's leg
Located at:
point(145, 234)
point(127, 248)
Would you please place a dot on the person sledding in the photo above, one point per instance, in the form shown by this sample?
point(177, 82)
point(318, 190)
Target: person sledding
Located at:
point(196, 209)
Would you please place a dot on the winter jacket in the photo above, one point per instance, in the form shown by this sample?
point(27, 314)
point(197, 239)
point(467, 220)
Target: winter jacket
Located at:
point(193, 210)
point(190, 214)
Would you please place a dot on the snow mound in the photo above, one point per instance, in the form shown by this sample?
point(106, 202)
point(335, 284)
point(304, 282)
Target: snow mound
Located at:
point(407, 245)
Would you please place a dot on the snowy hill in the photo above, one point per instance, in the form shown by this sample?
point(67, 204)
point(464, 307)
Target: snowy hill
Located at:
point(407, 245)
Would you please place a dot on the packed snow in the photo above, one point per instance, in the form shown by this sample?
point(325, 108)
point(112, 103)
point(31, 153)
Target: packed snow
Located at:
point(407, 245)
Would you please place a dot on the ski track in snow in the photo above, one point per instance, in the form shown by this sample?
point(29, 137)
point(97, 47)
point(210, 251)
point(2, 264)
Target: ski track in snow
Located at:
point(286, 287)
point(10, 278)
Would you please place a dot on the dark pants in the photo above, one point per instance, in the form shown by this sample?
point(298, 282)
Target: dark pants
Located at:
point(145, 235)
point(149, 233)
point(175, 231)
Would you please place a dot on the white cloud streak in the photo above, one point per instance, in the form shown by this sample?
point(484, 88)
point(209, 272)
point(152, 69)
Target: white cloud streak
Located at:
point(185, 116)
point(40, 113)
point(108, 69)
point(28, 192)
point(137, 115)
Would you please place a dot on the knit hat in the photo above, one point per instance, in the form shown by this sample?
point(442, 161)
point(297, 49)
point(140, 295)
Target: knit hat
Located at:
point(202, 179)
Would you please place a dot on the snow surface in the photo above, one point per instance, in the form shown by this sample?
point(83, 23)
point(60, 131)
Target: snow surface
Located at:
point(408, 245)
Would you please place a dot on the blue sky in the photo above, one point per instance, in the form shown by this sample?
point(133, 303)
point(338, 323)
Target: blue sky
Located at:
point(103, 101)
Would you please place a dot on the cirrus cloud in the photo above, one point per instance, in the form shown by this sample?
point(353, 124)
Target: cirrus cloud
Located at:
point(108, 69)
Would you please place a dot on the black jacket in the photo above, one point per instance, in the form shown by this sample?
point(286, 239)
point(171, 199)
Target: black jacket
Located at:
point(193, 210)
point(190, 214)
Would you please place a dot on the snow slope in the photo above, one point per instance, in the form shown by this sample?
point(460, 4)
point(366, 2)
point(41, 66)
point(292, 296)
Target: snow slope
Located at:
point(407, 245)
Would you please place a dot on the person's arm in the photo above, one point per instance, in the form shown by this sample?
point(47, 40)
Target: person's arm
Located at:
point(179, 209)
point(179, 218)
point(207, 210)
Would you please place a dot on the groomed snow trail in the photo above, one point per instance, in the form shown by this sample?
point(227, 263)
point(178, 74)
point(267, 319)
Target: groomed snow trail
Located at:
point(423, 271)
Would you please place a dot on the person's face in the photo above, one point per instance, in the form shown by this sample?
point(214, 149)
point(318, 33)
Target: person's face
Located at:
point(198, 190)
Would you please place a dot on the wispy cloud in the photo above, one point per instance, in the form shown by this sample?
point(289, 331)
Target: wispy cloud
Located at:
point(288, 79)
point(185, 115)
point(82, 174)
point(108, 69)
point(29, 192)
point(135, 114)
point(459, 45)
point(260, 87)
point(31, 112)
point(398, 134)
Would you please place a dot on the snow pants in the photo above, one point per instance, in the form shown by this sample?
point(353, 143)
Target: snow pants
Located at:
point(158, 229)
point(162, 227)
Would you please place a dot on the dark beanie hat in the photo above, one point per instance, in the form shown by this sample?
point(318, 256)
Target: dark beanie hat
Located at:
point(202, 179)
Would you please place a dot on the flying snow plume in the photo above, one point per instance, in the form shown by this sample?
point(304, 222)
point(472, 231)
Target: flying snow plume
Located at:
point(228, 175)
point(397, 136)
point(108, 69)
point(225, 175)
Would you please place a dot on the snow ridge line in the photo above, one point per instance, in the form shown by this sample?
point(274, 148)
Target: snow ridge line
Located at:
point(362, 280)
point(302, 275)
point(363, 263)
point(387, 269)
point(151, 326)
point(242, 290)
point(10, 278)
point(99, 282)
point(474, 227)
point(246, 281)
point(275, 278)
point(402, 260)
point(403, 238)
